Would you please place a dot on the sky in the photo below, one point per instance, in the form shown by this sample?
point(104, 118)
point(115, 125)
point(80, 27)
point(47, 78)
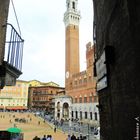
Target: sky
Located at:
point(42, 28)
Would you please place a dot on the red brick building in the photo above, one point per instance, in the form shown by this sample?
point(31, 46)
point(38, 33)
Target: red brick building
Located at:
point(81, 86)
point(40, 96)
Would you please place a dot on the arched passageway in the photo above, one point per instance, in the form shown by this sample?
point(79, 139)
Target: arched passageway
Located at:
point(65, 111)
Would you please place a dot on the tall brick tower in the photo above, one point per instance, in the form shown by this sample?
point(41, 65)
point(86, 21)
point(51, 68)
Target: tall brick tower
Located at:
point(71, 20)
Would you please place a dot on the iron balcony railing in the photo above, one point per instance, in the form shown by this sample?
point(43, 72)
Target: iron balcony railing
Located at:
point(13, 47)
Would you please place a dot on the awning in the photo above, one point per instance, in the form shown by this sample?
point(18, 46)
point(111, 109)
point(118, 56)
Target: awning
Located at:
point(14, 130)
point(1, 107)
point(16, 107)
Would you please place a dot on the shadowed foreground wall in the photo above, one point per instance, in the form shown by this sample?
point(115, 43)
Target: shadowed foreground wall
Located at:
point(118, 29)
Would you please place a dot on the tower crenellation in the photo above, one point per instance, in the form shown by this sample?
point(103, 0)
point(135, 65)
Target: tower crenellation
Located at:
point(72, 15)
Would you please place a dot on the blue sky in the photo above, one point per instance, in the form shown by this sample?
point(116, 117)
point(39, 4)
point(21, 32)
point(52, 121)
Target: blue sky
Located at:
point(43, 29)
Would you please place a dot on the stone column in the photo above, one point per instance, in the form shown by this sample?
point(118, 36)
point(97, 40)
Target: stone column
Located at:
point(61, 111)
point(70, 112)
point(55, 113)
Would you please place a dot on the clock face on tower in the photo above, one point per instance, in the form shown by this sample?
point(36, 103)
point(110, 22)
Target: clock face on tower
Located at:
point(67, 74)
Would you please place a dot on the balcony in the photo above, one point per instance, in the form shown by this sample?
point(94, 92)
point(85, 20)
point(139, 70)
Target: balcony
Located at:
point(11, 66)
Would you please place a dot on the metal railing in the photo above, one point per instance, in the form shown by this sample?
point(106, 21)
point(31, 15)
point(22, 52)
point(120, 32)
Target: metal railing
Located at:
point(13, 47)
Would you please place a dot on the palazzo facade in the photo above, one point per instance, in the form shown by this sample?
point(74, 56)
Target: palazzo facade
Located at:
point(80, 86)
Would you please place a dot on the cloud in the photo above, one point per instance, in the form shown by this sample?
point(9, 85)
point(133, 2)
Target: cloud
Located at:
point(41, 23)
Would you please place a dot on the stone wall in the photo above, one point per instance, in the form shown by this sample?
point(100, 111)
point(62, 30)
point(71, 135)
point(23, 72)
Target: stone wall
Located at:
point(4, 6)
point(118, 30)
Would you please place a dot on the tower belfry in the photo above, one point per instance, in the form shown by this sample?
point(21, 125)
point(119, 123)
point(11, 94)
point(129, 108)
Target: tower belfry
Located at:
point(71, 20)
point(72, 15)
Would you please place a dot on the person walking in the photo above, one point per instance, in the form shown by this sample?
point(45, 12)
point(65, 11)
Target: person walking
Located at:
point(69, 137)
point(55, 129)
point(49, 137)
point(36, 138)
point(73, 137)
point(44, 138)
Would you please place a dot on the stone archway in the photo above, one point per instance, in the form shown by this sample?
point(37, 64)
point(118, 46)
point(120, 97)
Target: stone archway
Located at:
point(65, 111)
point(63, 107)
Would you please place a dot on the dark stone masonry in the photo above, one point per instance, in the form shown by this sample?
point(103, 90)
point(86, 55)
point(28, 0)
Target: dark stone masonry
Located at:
point(117, 29)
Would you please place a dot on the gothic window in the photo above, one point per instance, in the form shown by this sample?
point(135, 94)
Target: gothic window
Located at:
point(75, 100)
point(72, 114)
point(91, 115)
point(81, 115)
point(85, 80)
point(90, 99)
point(95, 99)
point(73, 5)
point(75, 82)
point(80, 81)
point(85, 115)
point(85, 99)
point(95, 115)
point(68, 5)
point(80, 100)
point(90, 78)
point(76, 114)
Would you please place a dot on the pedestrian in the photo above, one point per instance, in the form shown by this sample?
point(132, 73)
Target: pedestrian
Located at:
point(55, 129)
point(48, 137)
point(44, 138)
point(73, 137)
point(81, 137)
point(36, 138)
point(77, 138)
point(69, 137)
point(51, 137)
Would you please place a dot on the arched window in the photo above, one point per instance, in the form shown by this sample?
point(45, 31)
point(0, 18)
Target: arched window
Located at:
point(73, 5)
point(80, 115)
point(91, 115)
point(85, 115)
point(68, 5)
point(72, 114)
point(95, 115)
point(76, 114)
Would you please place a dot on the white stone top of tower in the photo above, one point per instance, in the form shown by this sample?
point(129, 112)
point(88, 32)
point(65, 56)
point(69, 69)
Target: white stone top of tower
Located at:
point(72, 15)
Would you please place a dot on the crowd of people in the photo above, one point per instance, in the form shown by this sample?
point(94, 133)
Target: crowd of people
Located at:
point(48, 137)
point(16, 119)
point(70, 137)
point(73, 137)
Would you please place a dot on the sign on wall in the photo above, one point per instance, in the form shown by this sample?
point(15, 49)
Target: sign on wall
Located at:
point(101, 72)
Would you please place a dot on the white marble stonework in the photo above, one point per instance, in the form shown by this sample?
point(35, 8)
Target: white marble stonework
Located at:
point(61, 100)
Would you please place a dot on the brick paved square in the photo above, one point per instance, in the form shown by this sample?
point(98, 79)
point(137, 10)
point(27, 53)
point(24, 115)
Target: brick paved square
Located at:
point(31, 128)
